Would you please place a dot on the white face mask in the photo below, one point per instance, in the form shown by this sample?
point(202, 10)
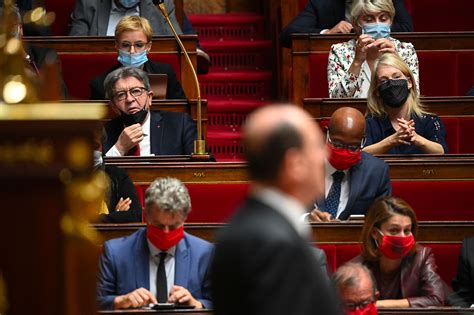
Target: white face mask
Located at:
point(98, 160)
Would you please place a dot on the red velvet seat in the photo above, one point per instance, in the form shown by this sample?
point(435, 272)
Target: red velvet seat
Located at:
point(459, 131)
point(79, 69)
point(63, 10)
point(438, 200)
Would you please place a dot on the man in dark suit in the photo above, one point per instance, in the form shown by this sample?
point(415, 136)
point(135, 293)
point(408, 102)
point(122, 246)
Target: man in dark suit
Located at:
point(99, 18)
point(364, 178)
point(138, 130)
point(160, 263)
point(263, 262)
point(333, 16)
point(463, 283)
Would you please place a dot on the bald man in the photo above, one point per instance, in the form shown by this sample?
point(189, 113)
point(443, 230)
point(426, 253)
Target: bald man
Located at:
point(263, 263)
point(354, 179)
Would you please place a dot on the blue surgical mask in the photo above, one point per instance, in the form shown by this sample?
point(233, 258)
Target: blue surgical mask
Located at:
point(128, 4)
point(376, 30)
point(132, 60)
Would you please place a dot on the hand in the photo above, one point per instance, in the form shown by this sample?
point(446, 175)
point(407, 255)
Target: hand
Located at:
point(137, 298)
point(362, 46)
point(404, 133)
point(343, 27)
point(383, 45)
point(182, 296)
point(130, 137)
point(123, 204)
point(319, 216)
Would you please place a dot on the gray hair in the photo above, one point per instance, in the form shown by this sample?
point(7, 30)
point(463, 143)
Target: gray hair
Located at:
point(349, 275)
point(170, 195)
point(123, 73)
point(361, 7)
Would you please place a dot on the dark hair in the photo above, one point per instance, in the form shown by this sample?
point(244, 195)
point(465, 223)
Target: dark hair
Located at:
point(123, 73)
point(381, 211)
point(265, 158)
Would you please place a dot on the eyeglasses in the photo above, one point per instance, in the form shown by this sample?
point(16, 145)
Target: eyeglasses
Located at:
point(134, 92)
point(350, 147)
point(360, 305)
point(139, 46)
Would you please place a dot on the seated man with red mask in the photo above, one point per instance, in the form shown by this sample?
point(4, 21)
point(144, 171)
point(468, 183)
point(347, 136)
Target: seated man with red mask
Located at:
point(354, 179)
point(357, 288)
point(160, 263)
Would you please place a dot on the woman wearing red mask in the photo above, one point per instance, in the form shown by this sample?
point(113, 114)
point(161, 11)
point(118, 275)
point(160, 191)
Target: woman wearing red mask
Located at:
point(404, 271)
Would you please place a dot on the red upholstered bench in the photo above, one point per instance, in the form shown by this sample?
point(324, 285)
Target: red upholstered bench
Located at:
point(79, 69)
point(446, 256)
point(455, 67)
point(210, 202)
point(438, 200)
point(459, 131)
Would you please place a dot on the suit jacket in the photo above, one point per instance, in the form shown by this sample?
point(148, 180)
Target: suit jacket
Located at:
point(369, 180)
point(318, 15)
point(463, 283)
point(173, 89)
point(171, 133)
point(124, 267)
point(419, 281)
point(263, 266)
point(91, 17)
point(121, 186)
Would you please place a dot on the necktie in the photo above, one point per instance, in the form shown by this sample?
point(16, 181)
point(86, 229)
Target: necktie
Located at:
point(332, 200)
point(161, 284)
point(135, 151)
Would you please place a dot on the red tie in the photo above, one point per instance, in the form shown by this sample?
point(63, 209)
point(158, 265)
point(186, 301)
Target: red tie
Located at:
point(135, 151)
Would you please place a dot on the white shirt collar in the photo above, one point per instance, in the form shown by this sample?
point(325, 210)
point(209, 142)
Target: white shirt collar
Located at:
point(154, 251)
point(286, 205)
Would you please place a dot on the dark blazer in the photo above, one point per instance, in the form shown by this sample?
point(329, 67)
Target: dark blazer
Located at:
point(91, 17)
point(39, 55)
point(262, 266)
point(318, 15)
point(369, 180)
point(124, 267)
point(173, 90)
point(121, 186)
point(463, 283)
point(419, 282)
point(171, 133)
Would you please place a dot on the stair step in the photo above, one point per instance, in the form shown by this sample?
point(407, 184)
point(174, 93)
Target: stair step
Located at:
point(231, 26)
point(226, 146)
point(228, 116)
point(239, 55)
point(231, 85)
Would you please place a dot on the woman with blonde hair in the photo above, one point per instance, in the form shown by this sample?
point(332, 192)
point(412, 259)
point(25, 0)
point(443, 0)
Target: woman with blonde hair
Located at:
point(351, 63)
point(396, 121)
point(133, 40)
point(405, 272)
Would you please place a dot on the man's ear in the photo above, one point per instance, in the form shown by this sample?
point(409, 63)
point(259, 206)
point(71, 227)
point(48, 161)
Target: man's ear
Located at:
point(377, 295)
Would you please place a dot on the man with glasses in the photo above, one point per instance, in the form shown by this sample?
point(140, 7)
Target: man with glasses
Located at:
point(137, 130)
point(354, 179)
point(357, 289)
point(133, 36)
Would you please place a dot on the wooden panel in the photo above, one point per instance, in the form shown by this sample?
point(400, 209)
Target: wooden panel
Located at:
point(441, 106)
point(324, 233)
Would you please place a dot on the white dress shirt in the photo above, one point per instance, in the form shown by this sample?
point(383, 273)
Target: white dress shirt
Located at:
point(116, 14)
point(169, 266)
point(145, 146)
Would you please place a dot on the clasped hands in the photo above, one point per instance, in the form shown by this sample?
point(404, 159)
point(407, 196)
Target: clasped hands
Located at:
point(405, 134)
point(143, 297)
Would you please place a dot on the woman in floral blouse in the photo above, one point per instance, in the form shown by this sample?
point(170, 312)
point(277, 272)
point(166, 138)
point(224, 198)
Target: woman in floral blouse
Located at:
point(350, 63)
point(396, 121)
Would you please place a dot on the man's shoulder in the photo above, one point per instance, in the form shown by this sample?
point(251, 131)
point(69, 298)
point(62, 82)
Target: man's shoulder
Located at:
point(373, 161)
point(125, 242)
point(196, 241)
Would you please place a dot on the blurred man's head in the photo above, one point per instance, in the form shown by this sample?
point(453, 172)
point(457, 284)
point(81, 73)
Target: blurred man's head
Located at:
point(285, 149)
point(357, 288)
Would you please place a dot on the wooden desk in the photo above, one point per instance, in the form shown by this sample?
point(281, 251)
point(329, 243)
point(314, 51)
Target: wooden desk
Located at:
point(441, 106)
point(324, 233)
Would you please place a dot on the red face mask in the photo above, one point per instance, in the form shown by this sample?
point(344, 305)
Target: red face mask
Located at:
point(343, 159)
point(370, 309)
point(163, 240)
point(396, 247)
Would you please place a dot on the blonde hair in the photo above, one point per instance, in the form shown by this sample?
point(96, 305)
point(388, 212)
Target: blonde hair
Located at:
point(375, 104)
point(361, 7)
point(134, 23)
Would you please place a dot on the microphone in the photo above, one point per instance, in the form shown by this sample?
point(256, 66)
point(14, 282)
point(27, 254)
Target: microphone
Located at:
point(199, 144)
